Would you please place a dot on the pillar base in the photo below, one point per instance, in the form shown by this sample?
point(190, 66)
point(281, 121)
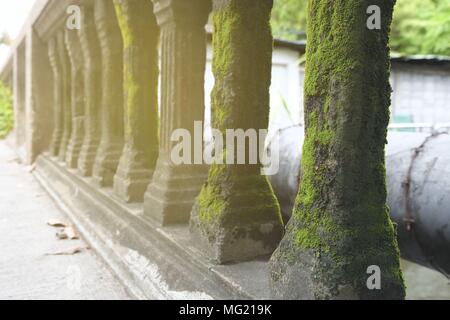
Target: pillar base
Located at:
point(87, 158)
point(244, 225)
point(292, 279)
point(132, 178)
point(56, 143)
point(106, 163)
point(321, 273)
point(171, 194)
point(73, 153)
point(63, 149)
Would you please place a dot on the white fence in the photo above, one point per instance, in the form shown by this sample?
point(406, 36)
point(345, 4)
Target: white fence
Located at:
point(420, 127)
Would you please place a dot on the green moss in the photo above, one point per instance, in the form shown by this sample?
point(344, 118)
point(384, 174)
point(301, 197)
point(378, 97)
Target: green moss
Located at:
point(340, 213)
point(127, 34)
point(140, 35)
point(131, 93)
point(211, 202)
point(6, 111)
point(228, 22)
point(237, 195)
point(307, 238)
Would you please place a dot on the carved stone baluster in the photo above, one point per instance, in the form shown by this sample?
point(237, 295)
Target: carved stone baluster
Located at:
point(66, 89)
point(112, 105)
point(236, 215)
point(92, 91)
point(76, 97)
point(140, 34)
point(171, 194)
point(57, 97)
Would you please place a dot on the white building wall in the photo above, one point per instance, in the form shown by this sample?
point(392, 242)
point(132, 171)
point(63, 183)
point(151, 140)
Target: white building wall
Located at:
point(421, 93)
point(286, 91)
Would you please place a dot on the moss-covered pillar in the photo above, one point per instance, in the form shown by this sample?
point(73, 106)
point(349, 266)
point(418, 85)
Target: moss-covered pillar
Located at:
point(171, 194)
point(76, 97)
point(66, 94)
point(112, 104)
point(58, 111)
point(92, 91)
point(340, 226)
point(140, 35)
point(236, 215)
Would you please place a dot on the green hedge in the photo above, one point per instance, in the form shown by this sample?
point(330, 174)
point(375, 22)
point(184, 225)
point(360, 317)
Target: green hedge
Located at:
point(6, 111)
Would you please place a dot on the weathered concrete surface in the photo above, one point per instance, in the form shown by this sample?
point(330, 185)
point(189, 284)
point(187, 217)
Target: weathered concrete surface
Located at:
point(26, 269)
point(423, 283)
point(153, 262)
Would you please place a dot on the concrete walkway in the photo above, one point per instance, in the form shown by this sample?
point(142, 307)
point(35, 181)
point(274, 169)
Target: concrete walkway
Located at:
point(34, 264)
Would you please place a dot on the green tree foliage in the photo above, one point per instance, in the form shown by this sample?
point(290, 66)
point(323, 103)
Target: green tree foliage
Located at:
point(6, 112)
point(419, 26)
point(289, 19)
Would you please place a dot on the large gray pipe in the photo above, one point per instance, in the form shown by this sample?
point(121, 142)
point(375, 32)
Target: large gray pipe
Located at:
point(418, 175)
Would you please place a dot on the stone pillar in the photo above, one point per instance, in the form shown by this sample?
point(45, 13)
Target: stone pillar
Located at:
point(58, 110)
point(140, 34)
point(39, 92)
point(66, 92)
point(112, 120)
point(92, 91)
point(236, 216)
point(32, 91)
point(340, 240)
point(170, 196)
point(19, 94)
point(76, 96)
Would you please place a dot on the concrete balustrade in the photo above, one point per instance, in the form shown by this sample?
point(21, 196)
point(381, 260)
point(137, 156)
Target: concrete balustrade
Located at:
point(102, 145)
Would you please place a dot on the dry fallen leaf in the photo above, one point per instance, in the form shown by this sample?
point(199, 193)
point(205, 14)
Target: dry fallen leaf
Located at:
point(56, 223)
point(62, 235)
point(71, 233)
point(68, 252)
point(67, 233)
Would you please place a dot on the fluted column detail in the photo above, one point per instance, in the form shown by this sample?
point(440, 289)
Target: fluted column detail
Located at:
point(140, 34)
point(76, 97)
point(112, 119)
point(58, 111)
point(236, 215)
point(92, 91)
point(173, 189)
point(66, 94)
